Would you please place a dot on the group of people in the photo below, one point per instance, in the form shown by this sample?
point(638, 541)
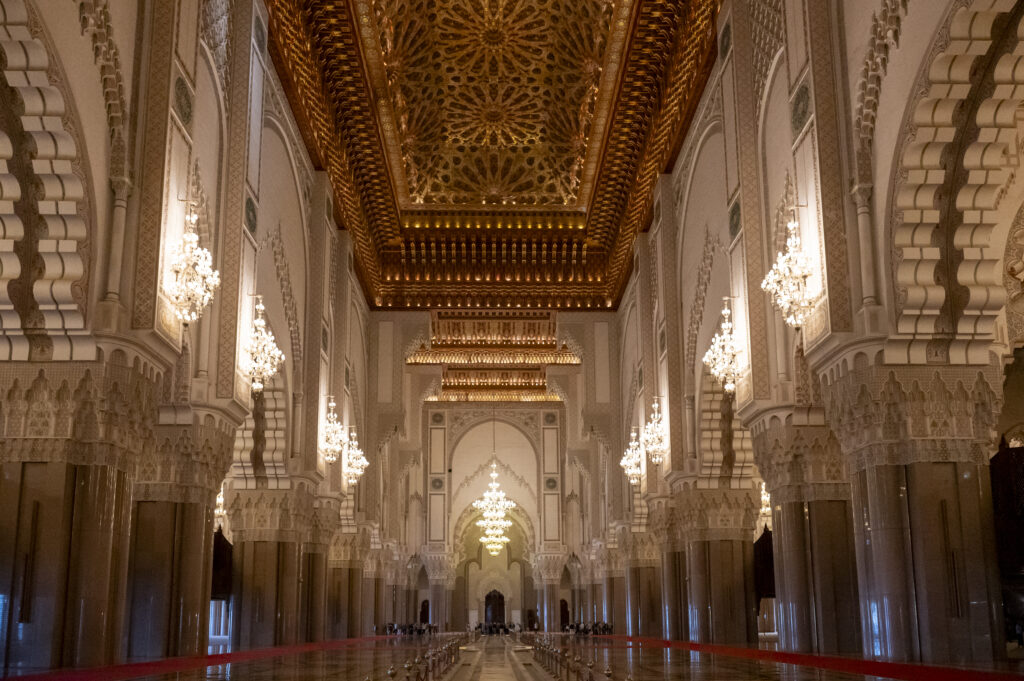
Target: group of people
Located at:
point(498, 628)
point(585, 628)
point(420, 629)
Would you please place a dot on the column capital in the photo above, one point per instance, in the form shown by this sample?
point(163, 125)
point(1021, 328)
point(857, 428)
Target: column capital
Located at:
point(798, 455)
point(717, 514)
point(902, 414)
point(270, 515)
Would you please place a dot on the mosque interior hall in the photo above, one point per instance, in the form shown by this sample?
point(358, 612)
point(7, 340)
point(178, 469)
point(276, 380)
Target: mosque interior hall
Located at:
point(512, 340)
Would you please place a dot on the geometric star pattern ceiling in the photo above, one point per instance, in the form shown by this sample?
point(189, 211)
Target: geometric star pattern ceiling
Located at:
point(492, 100)
point(493, 153)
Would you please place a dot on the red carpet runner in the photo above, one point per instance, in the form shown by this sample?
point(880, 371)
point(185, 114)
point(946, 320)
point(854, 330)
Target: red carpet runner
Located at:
point(889, 670)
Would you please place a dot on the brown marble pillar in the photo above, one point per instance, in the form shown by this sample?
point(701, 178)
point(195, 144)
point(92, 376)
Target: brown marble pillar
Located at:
point(63, 564)
point(315, 588)
point(670, 610)
point(266, 598)
point(551, 607)
point(168, 581)
point(337, 602)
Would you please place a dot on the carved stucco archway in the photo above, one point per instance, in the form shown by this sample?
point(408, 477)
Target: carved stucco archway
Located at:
point(954, 190)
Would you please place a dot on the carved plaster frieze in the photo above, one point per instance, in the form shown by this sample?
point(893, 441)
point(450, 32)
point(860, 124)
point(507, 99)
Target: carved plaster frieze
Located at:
point(716, 514)
point(798, 456)
point(441, 568)
point(900, 415)
point(271, 515)
point(188, 463)
point(548, 566)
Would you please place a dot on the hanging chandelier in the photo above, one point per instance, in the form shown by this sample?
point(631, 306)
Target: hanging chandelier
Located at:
point(766, 500)
point(494, 506)
point(353, 463)
point(632, 458)
point(195, 280)
point(721, 357)
point(219, 512)
point(335, 437)
point(264, 355)
point(786, 281)
point(654, 436)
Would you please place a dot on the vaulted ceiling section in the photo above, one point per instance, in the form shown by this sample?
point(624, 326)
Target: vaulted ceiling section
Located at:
point(493, 153)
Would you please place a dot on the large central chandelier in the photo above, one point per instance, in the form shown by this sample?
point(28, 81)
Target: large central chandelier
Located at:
point(654, 436)
point(786, 281)
point(722, 357)
point(353, 463)
point(264, 355)
point(191, 289)
point(632, 459)
point(335, 437)
point(494, 506)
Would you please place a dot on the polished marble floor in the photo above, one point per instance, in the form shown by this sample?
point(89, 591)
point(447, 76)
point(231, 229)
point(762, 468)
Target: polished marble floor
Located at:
point(491, 659)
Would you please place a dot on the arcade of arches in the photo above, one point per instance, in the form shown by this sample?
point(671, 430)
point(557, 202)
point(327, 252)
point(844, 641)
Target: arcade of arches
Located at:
point(500, 231)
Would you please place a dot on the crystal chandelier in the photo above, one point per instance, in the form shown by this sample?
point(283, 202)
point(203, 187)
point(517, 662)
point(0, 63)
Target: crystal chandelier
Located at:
point(632, 458)
point(494, 506)
point(766, 500)
point(195, 280)
point(353, 463)
point(264, 355)
point(721, 357)
point(335, 437)
point(786, 282)
point(654, 436)
point(219, 513)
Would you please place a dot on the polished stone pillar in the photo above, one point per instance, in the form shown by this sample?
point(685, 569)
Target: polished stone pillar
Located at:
point(670, 608)
point(169, 579)
point(63, 564)
point(815, 577)
point(438, 604)
point(315, 593)
point(551, 607)
point(917, 440)
point(338, 602)
point(266, 585)
point(460, 605)
point(722, 604)
point(368, 612)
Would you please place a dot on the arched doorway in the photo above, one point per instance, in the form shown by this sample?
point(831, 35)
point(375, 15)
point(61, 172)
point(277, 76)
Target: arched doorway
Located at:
point(425, 612)
point(563, 614)
point(494, 607)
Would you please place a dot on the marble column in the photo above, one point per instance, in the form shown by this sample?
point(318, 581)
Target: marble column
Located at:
point(63, 563)
point(265, 581)
point(459, 613)
point(337, 601)
point(670, 610)
point(551, 606)
point(718, 525)
point(917, 440)
point(812, 531)
point(169, 578)
point(315, 581)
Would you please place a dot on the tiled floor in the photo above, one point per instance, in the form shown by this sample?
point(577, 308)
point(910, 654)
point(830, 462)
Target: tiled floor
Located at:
point(489, 660)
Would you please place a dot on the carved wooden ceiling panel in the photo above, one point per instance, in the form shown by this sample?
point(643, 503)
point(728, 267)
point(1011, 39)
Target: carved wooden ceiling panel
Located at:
point(493, 153)
point(492, 100)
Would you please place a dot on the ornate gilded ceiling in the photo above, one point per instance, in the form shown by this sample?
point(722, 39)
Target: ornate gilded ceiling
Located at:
point(493, 153)
point(492, 101)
